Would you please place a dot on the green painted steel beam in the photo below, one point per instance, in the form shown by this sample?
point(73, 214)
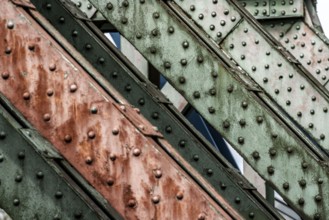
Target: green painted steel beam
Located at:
point(32, 184)
point(226, 98)
point(156, 108)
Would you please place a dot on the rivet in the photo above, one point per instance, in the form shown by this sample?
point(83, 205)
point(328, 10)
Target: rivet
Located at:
point(50, 92)
point(301, 201)
point(40, 175)
point(222, 22)
point(290, 150)
point(115, 131)
point(312, 111)
point(256, 41)
point(270, 170)
point(156, 199)
point(212, 91)
point(112, 157)
point(171, 30)
point(325, 109)
point(124, 20)
point(110, 181)
point(88, 46)
point(18, 178)
point(272, 152)
point(138, 35)
point(289, 89)
point(230, 88)
point(89, 160)
point(242, 122)
point(168, 129)
point(318, 198)
point(201, 16)
point(243, 57)
point(320, 181)
point(136, 152)
point(267, 66)
point(157, 173)
point(288, 102)
point(58, 194)
point(244, 104)
point(299, 114)
point(182, 143)
point(233, 18)
point(180, 195)
point(195, 157)
point(101, 60)
point(2, 135)
point(26, 95)
point(167, 65)
point(222, 186)
point(78, 215)
point(93, 110)
point(213, 14)
point(241, 140)
point(212, 27)
point(214, 74)
point(21, 155)
point(304, 165)
point(231, 46)
point(132, 203)
point(74, 33)
point(259, 119)
point(10, 25)
point(109, 6)
point(211, 110)
point(302, 87)
point(5, 75)
point(219, 34)
point(237, 200)
point(202, 216)
point(192, 7)
point(285, 186)
point(255, 155)
point(67, 138)
point(46, 117)
point(2, 158)
point(73, 87)
point(322, 136)
point(8, 50)
point(62, 20)
point(226, 124)
point(251, 215)
point(302, 183)
point(310, 125)
point(31, 47)
point(91, 134)
point(153, 50)
point(210, 172)
point(155, 115)
point(154, 32)
point(141, 101)
point(16, 202)
point(317, 216)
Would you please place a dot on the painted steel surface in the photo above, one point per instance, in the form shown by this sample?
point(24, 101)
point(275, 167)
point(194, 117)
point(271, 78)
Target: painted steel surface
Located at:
point(151, 103)
point(32, 186)
point(224, 100)
point(84, 123)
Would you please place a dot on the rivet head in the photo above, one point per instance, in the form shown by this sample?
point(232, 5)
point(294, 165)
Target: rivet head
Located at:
point(180, 195)
point(67, 138)
point(192, 7)
point(301, 201)
point(244, 104)
point(136, 152)
point(113, 157)
point(26, 96)
point(304, 165)
point(171, 30)
point(230, 88)
point(167, 65)
point(195, 157)
point(259, 119)
point(157, 173)
point(16, 202)
point(242, 122)
point(211, 110)
point(78, 215)
point(18, 178)
point(196, 94)
point(202, 216)
point(210, 172)
point(156, 15)
point(302, 183)
point(124, 20)
point(10, 25)
point(89, 160)
point(318, 198)
point(272, 152)
point(21, 155)
point(241, 140)
point(40, 175)
point(115, 131)
point(226, 124)
point(2, 158)
point(125, 3)
point(181, 79)
point(270, 170)
point(73, 87)
point(132, 203)
point(290, 150)
point(58, 194)
point(201, 16)
point(91, 134)
point(255, 155)
point(155, 115)
point(317, 216)
point(322, 136)
point(93, 110)
point(168, 129)
point(109, 6)
point(110, 181)
point(237, 200)
point(251, 215)
point(88, 46)
point(153, 50)
point(46, 117)
point(8, 50)
point(185, 44)
point(2, 135)
point(138, 35)
point(5, 75)
point(156, 199)
point(320, 181)
point(50, 92)
point(182, 143)
point(285, 186)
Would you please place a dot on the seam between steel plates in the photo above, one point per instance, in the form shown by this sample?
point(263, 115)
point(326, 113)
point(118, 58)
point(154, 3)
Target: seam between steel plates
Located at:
point(135, 32)
point(289, 106)
point(167, 130)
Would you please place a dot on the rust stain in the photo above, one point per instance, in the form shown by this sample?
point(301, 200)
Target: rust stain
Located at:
point(94, 135)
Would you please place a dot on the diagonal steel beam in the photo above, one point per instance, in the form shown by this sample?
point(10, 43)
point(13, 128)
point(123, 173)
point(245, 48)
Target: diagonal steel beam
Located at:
point(219, 92)
point(110, 144)
point(129, 82)
point(32, 182)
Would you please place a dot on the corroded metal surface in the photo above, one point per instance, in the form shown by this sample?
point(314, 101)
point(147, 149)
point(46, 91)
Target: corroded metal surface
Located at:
point(129, 169)
point(224, 100)
point(151, 103)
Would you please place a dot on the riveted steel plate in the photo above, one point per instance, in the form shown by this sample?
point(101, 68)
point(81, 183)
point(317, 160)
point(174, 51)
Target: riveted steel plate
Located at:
point(88, 9)
point(260, 138)
point(271, 9)
point(151, 103)
point(296, 95)
point(305, 45)
point(259, 9)
point(68, 108)
point(217, 18)
point(31, 186)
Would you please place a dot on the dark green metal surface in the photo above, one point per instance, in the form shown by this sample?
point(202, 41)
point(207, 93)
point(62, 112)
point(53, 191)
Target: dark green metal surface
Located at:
point(135, 88)
point(32, 185)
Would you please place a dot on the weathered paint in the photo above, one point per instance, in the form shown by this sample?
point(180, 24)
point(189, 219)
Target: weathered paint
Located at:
point(83, 122)
point(156, 108)
point(223, 99)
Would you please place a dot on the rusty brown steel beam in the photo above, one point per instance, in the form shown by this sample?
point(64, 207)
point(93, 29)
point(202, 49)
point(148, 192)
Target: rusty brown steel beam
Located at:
point(118, 152)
